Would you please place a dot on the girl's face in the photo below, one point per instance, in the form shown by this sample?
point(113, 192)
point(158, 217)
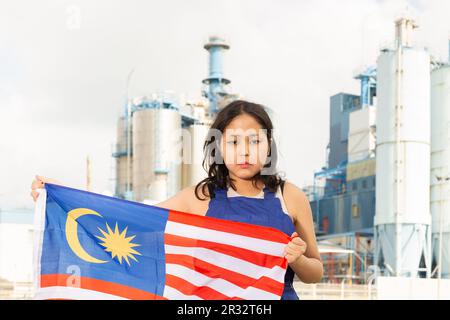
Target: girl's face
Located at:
point(244, 146)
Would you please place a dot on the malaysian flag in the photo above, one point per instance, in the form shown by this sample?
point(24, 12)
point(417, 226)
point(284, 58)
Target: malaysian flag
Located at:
point(90, 246)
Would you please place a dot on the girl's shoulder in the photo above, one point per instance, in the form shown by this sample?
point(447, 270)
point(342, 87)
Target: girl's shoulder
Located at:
point(196, 205)
point(203, 191)
point(295, 199)
point(292, 189)
point(186, 201)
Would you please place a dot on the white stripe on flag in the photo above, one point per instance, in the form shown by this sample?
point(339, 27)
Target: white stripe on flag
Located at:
point(220, 285)
point(174, 294)
point(59, 292)
point(39, 227)
point(228, 262)
point(193, 232)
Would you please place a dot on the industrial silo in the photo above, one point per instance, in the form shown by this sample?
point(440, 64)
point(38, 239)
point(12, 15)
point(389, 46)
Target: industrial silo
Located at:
point(156, 152)
point(403, 218)
point(440, 167)
point(193, 154)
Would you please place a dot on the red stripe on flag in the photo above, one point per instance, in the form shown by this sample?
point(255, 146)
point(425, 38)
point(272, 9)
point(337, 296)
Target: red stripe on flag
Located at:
point(62, 280)
point(188, 288)
point(213, 271)
point(239, 228)
point(261, 259)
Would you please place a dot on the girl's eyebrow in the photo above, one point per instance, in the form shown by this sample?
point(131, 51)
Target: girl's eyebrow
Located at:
point(238, 135)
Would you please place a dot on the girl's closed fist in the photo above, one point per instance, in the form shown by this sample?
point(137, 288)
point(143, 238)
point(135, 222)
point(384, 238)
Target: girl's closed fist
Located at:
point(39, 183)
point(295, 248)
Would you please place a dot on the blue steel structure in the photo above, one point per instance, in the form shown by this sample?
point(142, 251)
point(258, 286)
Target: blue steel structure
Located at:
point(216, 83)
point(368, 85)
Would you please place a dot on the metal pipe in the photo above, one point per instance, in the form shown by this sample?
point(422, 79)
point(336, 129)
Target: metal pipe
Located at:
point(128, 187)
point(441, 180)
point(398, 107)
point(316, 198)
point(365, 91)
point(128, 122)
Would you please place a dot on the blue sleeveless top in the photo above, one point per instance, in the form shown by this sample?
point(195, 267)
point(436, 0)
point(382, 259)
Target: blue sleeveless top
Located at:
point(265, 212)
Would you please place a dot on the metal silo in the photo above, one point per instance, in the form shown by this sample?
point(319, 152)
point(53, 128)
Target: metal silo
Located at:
point(440, 167)
point(194, 154)
point(156, 152)
point(402, 218)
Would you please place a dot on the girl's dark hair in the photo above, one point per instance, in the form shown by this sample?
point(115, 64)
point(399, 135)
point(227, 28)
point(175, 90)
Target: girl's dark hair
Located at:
point(218, 176)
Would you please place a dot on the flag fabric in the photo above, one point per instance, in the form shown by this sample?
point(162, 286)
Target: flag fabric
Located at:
point(91, 246)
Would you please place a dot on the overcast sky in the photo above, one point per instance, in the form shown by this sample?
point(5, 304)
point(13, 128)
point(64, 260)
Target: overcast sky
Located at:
point(64, 64)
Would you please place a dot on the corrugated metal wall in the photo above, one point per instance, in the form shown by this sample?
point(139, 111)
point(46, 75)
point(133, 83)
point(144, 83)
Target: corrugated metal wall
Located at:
point(340, 107)
point(348, 212)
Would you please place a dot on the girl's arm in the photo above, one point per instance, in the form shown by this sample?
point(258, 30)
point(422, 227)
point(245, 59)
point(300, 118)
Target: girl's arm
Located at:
point(307, 265)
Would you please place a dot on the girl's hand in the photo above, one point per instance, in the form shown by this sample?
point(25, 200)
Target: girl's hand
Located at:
point(39, 183)
point(295, 248)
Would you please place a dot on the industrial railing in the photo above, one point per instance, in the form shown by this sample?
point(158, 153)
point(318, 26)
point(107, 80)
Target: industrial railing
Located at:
point(334, 291)
point(16, 291)
point(316, 291)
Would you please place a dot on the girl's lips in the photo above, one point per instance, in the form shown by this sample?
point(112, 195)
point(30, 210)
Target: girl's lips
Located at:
point(244, 165)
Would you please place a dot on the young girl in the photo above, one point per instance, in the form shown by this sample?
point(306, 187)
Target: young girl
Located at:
point(240, 153)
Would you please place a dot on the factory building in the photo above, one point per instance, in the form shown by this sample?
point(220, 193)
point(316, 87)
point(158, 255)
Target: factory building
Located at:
point(16, 253)
point(343, 198)
point(380, 204)
point(159, 147)
point(384, 192)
